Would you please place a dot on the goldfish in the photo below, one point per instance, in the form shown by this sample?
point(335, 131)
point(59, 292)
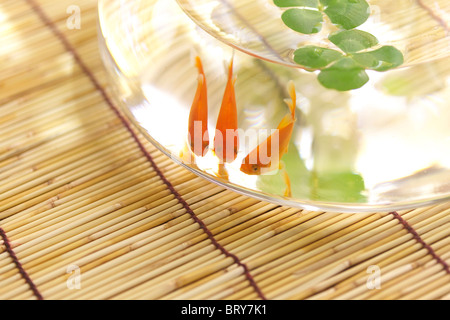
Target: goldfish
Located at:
point(198, 116)
point(226, 140)
point(267, 155)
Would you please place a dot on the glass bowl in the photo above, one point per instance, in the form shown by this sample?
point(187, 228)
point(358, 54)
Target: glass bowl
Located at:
point(382, 147)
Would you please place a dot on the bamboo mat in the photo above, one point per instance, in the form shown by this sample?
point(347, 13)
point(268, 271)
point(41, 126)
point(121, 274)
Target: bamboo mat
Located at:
point(90, 210)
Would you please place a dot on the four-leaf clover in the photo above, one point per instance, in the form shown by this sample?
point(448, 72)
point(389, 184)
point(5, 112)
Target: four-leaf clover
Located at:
point(346, 69)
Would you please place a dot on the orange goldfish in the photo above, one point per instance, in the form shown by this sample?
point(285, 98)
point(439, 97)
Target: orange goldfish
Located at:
point(267, 155)
point(198, 117)
point(226, 140)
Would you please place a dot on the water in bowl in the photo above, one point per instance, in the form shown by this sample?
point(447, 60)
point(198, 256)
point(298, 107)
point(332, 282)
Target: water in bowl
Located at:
point(383, 146)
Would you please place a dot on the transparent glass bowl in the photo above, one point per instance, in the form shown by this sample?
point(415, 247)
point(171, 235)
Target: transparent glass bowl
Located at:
point(383, 147)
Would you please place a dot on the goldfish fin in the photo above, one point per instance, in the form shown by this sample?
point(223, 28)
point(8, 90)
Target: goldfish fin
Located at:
point(292, 102)
point(222, 172)
point(232, 77)
point(199, 65)
point(287, 180)
point(281, 165)
point(287, 120)
point(230, 67)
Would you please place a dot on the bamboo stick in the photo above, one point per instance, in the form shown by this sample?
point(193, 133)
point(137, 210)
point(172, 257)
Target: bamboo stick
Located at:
point(405, 256)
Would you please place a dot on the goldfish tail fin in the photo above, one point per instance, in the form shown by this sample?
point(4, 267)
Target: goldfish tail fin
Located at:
point(292, 102)
point(287, 180)
point(222, 172)
point(199, 65)
point(286, 121)
point(230, 67)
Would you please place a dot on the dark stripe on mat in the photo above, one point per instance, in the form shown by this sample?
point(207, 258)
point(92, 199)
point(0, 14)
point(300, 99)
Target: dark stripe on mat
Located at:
point(19, 266)
point(430, 11)
point(417, 237)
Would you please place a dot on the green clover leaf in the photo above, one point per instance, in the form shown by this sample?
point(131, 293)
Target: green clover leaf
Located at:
point(382, 59)
point(347, 72)
point(344, 75)
point(313, 57)
point(303, 20)
point(351, 41)
point(347, 13)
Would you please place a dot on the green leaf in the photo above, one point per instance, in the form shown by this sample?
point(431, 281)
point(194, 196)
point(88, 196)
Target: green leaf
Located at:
point(312, 57)
point(382, 59)
point(303, 20)
point(297, 3)
point(344, 75)
point(351, 41)
point(339, 187)
point(347, 13)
